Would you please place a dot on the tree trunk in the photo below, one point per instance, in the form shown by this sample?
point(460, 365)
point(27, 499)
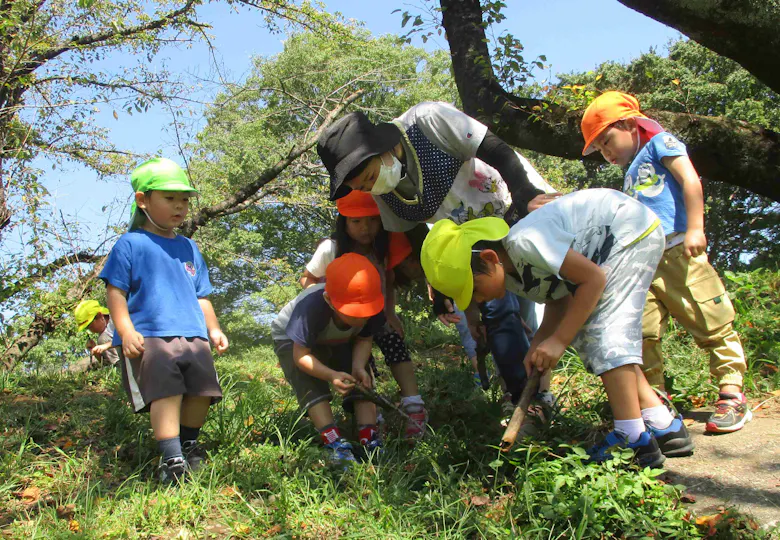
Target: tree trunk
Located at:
point(748, 32)
point(729, 151)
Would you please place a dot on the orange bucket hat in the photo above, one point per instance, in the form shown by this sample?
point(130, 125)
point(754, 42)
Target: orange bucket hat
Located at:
point(354, 286)
point(357, 204)
point(608, 108)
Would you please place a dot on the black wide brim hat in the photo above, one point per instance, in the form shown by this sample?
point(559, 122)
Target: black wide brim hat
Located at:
point(349, 142)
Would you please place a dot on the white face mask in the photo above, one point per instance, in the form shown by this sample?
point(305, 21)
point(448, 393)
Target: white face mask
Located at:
point(389, 176)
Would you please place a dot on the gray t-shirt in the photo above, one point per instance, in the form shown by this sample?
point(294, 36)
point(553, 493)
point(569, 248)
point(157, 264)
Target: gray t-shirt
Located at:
point(592, 222)
point(111, 355)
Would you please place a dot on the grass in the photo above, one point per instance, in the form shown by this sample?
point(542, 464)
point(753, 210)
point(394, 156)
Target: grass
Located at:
point(76, 463)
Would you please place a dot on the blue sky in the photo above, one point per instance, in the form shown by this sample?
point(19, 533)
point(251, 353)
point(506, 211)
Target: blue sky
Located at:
point(574, 35)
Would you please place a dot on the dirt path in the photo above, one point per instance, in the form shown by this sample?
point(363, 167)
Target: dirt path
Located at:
point(740, 469)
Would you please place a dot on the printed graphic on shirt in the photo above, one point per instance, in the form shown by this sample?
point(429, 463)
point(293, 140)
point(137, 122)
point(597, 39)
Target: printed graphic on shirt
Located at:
point(189, 267)
point(647, 182)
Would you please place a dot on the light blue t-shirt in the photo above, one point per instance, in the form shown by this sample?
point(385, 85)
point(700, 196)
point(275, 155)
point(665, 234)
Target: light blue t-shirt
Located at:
point(648, 181)
point(163, 278)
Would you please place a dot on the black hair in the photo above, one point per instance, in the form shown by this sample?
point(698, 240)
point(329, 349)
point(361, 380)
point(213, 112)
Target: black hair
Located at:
point(478, 264)
point(345, 243)
point(357, 170)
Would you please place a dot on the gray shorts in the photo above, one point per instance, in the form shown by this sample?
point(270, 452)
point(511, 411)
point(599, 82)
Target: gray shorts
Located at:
point(308, 389)
point(170, 366)
point(612, 335)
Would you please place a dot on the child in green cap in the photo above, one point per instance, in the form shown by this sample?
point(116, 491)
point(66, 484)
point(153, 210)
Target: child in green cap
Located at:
point(589, 257)
point(157, 287)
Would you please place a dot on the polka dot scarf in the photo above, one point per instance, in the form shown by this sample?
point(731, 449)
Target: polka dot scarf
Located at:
point(436, 171)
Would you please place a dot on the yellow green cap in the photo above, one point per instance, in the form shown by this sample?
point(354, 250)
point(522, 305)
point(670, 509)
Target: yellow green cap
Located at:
point(85, 313)
point(446, 255)
point(157, 174)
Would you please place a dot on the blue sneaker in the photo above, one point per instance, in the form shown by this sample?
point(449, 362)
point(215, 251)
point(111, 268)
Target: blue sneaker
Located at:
point(340, 453)
point(674, 441)
point(374, 444)
point(645, 449)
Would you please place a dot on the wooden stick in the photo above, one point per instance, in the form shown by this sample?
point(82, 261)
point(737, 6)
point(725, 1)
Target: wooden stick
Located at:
point(382, 401)
point(510, 434)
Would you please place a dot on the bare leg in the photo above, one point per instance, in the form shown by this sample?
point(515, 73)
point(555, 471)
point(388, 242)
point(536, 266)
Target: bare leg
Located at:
point(403, 373)
point(165, 415)
point(194, 410)
point(647, 396)
point(621, 386)
point(321, 415)
point(365, 413)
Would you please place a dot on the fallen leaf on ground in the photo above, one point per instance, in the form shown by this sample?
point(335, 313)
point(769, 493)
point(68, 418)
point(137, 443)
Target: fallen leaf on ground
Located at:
point(229, 491)
point(710, 520)
point(480, 500)
point(688, 498)
point(689, 421)
point(775, 392)
point(74, 526)
point(67, 511)
point(276, 529)
point(30, 494)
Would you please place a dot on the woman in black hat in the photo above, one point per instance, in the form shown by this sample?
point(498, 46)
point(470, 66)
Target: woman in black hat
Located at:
point(435, 162)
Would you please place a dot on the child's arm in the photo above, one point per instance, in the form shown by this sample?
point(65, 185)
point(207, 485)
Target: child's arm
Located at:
point(683, 171)
point(308, 279)
point(309, 364)
point(361, 351)
point(392, 316)
point(216, 336)
point(132, 341)
point(590, 281)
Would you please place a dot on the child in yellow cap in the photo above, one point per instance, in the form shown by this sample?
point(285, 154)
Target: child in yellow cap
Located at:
point(589, 257)
point(157, 291)
point(661, 176)
point(90, 315)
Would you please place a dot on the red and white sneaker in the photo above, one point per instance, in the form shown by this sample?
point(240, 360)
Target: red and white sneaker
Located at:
point(731, 413)
point(417, 422)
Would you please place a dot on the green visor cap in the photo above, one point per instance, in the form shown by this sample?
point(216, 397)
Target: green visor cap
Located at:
point(157, 174)
point(446, 255)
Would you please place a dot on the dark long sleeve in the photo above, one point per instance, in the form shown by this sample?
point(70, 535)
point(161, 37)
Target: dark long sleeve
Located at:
point(501, 157)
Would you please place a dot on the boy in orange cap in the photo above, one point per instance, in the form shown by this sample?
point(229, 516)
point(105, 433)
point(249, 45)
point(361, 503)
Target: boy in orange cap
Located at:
point(359, 230)
point(685, 286)
point(324, 336)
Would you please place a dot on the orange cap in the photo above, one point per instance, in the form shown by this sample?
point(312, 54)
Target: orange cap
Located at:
point(354, 286)
point(608, 108)
point(357, 204)
point(398, 250)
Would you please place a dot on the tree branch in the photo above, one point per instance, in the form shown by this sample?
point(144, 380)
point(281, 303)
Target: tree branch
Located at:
point(728, 151)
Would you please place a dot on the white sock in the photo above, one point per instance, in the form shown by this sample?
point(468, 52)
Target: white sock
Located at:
point(632, 429)
point(658, 417)
point(412, 401)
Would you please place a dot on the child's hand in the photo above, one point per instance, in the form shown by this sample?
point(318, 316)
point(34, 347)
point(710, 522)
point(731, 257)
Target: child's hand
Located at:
point(362, 376)
point(545, 356)
point(133, 344)
point(342, 382)
point(98, 350)
point(695, 242)
point(219, 340)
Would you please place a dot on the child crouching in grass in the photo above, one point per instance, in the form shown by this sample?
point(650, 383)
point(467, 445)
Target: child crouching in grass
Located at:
point(324, 336)
point(590, 257)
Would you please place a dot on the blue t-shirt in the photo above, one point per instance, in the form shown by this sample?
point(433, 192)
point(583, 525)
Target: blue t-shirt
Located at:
point(163, 278)
point(308, 321)
point(648, 181)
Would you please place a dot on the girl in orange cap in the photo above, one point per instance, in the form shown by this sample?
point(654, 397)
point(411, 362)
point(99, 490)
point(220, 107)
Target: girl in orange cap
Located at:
point(359, 230)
